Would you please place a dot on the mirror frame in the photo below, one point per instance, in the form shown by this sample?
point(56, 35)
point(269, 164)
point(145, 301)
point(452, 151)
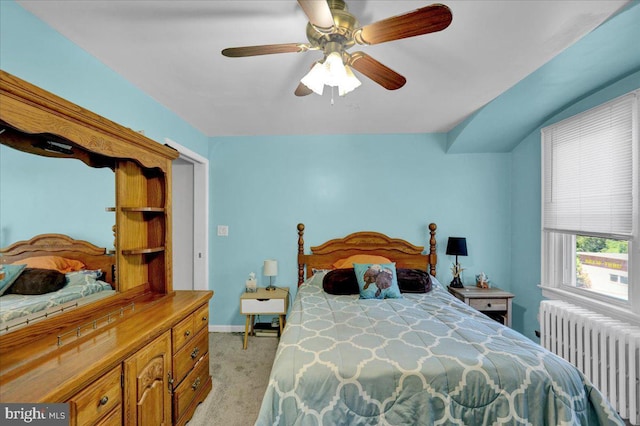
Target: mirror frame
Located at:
point(100, 142)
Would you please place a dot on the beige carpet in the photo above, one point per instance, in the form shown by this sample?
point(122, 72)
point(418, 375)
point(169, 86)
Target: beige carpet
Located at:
point(239, 379)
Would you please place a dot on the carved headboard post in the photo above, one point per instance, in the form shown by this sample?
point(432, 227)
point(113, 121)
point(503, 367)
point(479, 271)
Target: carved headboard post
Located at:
point(300, 252)
point(432, 249)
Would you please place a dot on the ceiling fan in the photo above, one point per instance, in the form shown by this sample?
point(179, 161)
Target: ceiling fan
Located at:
point(333, 30)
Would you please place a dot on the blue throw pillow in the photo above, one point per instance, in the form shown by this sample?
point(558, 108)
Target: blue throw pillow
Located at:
point(377, 280)
point(11, 272)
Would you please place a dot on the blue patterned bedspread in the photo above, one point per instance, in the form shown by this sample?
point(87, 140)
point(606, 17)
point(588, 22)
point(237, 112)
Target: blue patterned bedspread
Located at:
point(14, 306)
point(425, 359)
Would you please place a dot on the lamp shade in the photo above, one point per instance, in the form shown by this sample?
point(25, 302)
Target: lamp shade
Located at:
point(332, 72)
point(457, 246)
point(270, 268)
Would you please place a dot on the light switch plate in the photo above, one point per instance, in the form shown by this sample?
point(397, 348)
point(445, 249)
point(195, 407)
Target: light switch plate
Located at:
point(223, 231)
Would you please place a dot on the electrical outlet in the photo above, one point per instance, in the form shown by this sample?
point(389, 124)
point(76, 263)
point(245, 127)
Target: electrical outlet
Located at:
point(223, 231)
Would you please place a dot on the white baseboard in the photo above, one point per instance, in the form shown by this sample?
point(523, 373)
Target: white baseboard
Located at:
point(226, 328)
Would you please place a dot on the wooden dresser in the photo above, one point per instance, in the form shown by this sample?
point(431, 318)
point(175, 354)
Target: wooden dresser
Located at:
point(148, 363)
point(122, 373)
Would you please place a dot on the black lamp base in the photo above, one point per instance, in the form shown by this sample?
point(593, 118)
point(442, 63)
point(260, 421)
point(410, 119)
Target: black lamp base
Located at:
point(456, 282)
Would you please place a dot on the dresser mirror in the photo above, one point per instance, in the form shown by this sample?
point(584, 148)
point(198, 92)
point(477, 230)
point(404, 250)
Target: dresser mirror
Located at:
point(49, 185)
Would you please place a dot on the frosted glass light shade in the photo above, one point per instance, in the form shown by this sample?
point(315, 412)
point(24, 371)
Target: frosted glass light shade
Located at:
point(315, 78)
point(332, 72)
point(350, 82)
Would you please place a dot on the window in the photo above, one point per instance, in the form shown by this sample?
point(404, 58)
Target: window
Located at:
point(590, 205)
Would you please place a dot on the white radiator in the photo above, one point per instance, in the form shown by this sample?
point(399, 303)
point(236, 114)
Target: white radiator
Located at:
point(605, 350)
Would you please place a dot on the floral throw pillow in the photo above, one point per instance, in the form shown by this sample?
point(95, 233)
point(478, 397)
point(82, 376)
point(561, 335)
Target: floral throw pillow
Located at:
point(377, 280)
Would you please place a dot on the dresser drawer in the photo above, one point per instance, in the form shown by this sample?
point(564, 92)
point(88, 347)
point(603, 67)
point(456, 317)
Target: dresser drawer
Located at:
point(97, 399)
point(489, 304)
point(188, 356)
point(201, 318)
point(114, 418)
point(260, 306)
point(182, 333)
point(198, 381)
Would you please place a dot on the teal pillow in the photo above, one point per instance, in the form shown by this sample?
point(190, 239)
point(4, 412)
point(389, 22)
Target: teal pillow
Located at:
point(11, 272)
point(377, 280)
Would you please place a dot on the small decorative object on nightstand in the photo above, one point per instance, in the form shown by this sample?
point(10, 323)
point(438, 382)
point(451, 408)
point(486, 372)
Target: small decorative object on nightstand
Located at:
point(493, 302)
point(251, 284)
point(263, 302)
point(482, 280)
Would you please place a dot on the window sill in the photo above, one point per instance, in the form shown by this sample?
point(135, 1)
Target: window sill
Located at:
point(603, 308)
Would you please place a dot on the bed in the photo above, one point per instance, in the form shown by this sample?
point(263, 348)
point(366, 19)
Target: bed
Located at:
point(424, 358)
point(51, 273)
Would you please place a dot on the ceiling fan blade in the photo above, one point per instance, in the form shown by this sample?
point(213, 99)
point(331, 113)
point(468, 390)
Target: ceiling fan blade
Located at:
point(318, 13)
point(267, 49)
point(381, 74)
point(429, 19)
point(302, 90)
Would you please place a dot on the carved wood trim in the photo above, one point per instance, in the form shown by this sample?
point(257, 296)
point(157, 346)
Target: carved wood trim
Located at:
point(92, 256)
point(33, 110)
point(403, 253)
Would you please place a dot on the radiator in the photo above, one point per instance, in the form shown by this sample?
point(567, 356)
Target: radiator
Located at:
point(605, 350)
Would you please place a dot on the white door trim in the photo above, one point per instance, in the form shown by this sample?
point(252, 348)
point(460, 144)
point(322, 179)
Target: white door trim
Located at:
point(200, 213)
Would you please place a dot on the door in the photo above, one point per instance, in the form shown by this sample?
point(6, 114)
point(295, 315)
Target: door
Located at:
point(190, 194)
point(183, 226)
point(147, 384)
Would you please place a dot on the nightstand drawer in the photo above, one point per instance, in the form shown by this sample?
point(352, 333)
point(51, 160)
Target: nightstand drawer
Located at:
point(262, 306)
point(489, 304)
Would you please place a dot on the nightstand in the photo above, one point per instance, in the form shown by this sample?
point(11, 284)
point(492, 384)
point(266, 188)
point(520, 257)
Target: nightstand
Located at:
point(492, 302)
point(263, 302)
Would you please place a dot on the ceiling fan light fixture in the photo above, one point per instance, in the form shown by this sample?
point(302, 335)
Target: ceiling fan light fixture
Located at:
point(332, 72)
point(336, 73)
point(349, 84)
point(315, 78)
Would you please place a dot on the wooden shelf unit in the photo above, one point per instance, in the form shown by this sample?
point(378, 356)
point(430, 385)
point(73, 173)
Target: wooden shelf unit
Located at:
point(142, 223)
point(103, 374)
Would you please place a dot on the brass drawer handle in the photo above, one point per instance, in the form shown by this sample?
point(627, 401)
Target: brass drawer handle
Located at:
point(194, 354)
point(104, 400)
point(195, 384)
point(187, 333)
point(204, 318)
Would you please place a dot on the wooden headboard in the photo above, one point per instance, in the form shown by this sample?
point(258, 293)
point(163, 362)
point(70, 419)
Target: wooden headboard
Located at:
point(403, 253)
point(92, 256)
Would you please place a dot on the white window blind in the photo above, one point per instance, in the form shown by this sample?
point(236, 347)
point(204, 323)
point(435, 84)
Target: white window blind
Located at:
point(588, 171)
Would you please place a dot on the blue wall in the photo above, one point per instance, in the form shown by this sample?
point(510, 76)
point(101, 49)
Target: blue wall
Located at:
point(36, 53)
point(395, 184)
point(42, 195)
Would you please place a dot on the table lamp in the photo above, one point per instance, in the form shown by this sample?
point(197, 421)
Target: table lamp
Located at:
point(456, 246)
point(270, 270)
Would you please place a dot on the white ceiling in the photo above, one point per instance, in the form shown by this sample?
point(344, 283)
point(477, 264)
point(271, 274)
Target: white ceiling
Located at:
point(171, 51)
